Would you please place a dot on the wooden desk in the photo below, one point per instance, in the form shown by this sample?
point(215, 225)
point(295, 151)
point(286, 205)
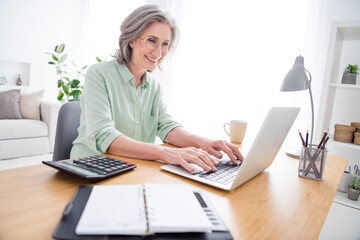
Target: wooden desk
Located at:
point(277, 204)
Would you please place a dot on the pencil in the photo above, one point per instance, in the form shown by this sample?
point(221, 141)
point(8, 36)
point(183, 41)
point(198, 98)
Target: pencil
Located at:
point(323, 138)
point(302, 139)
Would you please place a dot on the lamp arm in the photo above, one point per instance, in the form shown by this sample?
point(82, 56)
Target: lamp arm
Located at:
point(312, 108)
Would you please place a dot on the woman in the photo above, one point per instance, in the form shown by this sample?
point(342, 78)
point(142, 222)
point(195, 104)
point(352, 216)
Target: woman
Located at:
point(122, 109)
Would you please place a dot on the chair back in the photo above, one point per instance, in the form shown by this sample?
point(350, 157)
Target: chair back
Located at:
point(66, 129)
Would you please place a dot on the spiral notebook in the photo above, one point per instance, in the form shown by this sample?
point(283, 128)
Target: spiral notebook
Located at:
point(142, 210)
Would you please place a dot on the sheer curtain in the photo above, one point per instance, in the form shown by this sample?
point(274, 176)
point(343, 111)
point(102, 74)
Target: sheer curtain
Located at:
point(104, 20)
point(231, 60)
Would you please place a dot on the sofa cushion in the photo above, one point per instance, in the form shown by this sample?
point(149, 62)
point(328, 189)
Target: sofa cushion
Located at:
point(22, 128)
point(30, 104)
point(10, 104)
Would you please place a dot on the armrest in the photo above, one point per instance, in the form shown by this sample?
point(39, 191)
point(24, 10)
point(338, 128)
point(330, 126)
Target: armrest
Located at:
point(49, 113)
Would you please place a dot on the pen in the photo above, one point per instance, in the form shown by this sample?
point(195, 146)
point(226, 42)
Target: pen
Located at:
point(327, 138)
point(307, 138)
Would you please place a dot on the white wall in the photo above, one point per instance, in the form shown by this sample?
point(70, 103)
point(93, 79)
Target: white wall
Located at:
point(29, 28)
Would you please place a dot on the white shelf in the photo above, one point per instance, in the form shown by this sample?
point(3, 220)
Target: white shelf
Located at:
point(339, 102)
point(342, 144)
point(342, 198)
point(349, 86)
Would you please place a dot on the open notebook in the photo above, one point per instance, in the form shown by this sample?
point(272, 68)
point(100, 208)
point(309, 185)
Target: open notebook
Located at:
point(141, 210)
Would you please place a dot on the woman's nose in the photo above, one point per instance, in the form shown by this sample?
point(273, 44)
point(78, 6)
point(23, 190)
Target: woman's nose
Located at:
point(157, 52)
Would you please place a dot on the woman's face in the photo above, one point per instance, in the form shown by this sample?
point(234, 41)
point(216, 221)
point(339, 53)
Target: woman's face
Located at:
point(150, 48)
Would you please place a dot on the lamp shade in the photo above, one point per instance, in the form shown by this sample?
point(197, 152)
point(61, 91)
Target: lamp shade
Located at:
point(295, 79)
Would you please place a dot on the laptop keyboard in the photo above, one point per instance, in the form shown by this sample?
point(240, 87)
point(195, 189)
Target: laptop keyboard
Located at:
point(225, 173)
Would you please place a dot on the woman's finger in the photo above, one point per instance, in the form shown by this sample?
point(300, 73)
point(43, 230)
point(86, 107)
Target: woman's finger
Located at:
point(215, 152)
point(200, 163)
point(228, 151)
point(236, 151)
point(205, 157)
point(186, 165)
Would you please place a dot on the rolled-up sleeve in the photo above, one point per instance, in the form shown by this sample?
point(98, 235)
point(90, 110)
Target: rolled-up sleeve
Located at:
point(100, 128)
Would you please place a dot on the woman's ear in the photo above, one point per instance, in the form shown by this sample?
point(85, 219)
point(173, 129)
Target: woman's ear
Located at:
point(131, 44)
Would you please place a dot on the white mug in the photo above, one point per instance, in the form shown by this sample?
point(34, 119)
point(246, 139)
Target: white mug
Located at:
point(237, 130)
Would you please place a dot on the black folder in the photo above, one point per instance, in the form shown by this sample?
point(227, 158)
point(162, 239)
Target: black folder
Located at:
point(72, 213)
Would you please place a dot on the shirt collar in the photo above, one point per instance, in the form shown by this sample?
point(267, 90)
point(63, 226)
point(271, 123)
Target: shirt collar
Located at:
point(127, 76)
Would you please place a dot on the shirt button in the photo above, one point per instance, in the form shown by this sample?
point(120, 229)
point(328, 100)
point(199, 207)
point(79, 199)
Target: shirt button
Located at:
point(137, 104)
point(137, 122)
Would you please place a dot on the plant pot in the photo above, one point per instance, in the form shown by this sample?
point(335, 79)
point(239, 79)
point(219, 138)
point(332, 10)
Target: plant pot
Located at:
point(344, 182)
point(353, 194)
point(348, 78)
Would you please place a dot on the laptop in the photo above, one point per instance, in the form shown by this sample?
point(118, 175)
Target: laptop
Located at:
point(262, 153)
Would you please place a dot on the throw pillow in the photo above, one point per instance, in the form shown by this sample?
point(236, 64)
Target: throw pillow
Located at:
point(30, 104)
point(9, 104)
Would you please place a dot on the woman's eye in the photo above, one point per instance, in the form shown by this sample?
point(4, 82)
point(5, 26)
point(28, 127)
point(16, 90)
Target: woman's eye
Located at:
point(152, 40)
point(165, 44)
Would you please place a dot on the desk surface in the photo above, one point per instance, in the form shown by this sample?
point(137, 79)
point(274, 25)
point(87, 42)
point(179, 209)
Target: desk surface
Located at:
point(277, 204)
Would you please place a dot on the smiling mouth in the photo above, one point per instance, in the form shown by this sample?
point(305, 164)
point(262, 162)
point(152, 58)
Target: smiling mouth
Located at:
point(153, 60)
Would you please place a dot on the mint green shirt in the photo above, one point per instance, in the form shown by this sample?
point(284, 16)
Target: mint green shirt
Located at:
point(111, 106)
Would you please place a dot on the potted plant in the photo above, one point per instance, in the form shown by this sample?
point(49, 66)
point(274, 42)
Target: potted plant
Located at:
point(349, 76)
point(354, 185)
point(69, 84)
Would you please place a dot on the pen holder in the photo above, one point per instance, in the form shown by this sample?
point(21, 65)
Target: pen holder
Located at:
point(312, 162)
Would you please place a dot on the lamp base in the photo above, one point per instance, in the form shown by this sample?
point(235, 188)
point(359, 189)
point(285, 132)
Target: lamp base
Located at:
point(293, 152)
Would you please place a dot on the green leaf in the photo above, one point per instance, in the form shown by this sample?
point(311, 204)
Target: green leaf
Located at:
point(76, 95)
point(65, 89)
point(60, 83)
point(352, 69)
point(56, 48)
point(55, 58)
point(63, 58)
point(75, 83)
point(58, 72)
point(98, 59)
point(51, 63)
point(84, 67)
point(61, 48)
point(68, 79)
point(60, 95)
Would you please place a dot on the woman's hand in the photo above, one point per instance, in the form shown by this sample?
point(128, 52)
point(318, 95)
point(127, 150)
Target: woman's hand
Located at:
point(182, 138)
point(184, 156)
point(214, 147)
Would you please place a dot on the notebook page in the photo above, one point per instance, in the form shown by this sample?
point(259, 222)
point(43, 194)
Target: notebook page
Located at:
point(114, 210)
point(174, 208)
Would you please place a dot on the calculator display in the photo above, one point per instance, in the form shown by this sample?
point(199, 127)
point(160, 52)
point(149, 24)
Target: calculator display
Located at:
point(80, 170)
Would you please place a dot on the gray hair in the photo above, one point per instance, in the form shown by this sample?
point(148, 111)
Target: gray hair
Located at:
point(135, 24)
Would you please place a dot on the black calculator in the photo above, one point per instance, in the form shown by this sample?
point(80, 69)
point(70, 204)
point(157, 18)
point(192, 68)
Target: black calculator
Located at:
point(93, 168)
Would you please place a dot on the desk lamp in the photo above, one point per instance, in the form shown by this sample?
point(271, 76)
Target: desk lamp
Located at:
point(297, 80)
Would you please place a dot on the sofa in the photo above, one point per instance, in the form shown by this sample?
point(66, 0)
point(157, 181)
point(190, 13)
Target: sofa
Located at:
point(31, 129)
